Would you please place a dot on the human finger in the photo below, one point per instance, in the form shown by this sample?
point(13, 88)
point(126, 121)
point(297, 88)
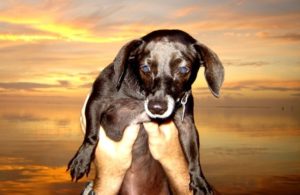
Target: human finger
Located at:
point(152, 129)
point(130, 135)
point(168, 129)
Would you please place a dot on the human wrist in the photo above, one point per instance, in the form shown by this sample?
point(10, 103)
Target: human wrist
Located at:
point(176, 169)
point(108, 184)
point(178, 164)
point(109, 179)
point(109, 175)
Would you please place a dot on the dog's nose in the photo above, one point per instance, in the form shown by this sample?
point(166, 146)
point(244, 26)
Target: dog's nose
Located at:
point(157, 107)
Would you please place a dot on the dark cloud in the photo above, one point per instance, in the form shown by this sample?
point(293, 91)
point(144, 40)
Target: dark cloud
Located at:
point(252, 85)
point(64, 83)
point(270, 88)
point(12, 175)
point(63, 122)
point(238, 151)
point(245, 63)
point(296, 94)
point(261, 184)
point(261, 85)
point(22, 117)
point(289, 36)
point(286, 36)
point(91, 73)
point(31, 86)
point(86, 85)
point(33, 178)
point(88, 76)
point(42, 98)
point(25, 85)
point(279, 184)
point(235, 88)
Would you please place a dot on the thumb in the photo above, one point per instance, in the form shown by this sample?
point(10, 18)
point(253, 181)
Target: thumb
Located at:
point(130, 135)
point(152, 129)
point(168, 129)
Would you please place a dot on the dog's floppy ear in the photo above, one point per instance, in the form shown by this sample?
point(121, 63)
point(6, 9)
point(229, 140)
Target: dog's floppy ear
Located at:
point(121, 60)
point(214, 71)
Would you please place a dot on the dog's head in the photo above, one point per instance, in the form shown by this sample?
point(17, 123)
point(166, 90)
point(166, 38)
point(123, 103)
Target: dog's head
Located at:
point(163, 65)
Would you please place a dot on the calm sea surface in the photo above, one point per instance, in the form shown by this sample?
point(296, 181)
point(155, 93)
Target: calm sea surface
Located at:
point(253, 150)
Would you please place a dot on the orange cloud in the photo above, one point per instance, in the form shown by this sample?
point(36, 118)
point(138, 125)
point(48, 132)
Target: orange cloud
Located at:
point(37, 179)
point(258, 85)
point(281, 36)
point(49, 23)
point(185, 11)
point(59, 32)
point(47, 18)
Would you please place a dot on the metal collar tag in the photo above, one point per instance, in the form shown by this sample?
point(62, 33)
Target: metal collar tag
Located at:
point(183, 103)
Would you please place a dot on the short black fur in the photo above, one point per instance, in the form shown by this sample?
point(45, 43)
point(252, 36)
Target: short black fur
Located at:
point(117, 100)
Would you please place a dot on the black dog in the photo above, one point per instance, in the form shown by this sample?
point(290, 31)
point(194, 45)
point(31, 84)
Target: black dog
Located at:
point(152, 74)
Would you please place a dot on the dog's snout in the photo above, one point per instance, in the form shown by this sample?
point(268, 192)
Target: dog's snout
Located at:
point(161, 107)
point(157, 107)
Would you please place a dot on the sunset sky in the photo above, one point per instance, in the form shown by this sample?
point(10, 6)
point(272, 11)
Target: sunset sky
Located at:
point(55, 48)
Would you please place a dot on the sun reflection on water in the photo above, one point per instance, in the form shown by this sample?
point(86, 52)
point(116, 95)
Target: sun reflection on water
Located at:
point(243, 150)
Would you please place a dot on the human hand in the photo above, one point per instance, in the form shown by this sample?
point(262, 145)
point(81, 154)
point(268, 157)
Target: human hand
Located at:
point(112, 159)
point(165, 147)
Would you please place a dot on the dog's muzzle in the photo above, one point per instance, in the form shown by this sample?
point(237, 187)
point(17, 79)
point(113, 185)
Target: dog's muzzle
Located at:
point(159, 108)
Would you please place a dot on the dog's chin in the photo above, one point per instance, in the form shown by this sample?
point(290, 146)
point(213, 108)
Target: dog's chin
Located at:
point(166, 114)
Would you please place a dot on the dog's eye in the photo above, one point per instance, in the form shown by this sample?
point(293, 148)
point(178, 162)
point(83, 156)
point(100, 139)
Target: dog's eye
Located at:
point(183, 69)
point(145, 68)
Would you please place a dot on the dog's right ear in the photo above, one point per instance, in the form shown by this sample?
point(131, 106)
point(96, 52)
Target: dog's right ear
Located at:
point(121, 60)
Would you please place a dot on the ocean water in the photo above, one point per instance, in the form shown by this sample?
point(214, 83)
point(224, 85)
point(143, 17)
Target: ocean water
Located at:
point(244, 150)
